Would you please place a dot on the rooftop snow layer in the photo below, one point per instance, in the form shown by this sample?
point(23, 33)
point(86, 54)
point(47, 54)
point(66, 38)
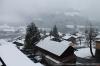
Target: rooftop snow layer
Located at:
point(98, 36)
point(0, 63)
point(54, 47)
point(13, 57)
point(67, 36)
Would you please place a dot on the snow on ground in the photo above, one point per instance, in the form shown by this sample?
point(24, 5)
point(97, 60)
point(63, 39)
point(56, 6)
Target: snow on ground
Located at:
point(13, 56)
point(83, 44)
point(84, 52)
point(54, 47)
point(4, 42)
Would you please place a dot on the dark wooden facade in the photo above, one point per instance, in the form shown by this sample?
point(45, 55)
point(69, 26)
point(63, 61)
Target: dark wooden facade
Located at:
point(97, 53)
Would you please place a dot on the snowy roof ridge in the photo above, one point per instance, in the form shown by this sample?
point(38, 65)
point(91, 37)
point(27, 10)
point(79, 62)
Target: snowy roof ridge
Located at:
point(98, 36)
point(54, 47)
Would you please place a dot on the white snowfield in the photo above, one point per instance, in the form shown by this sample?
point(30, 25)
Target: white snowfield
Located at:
point(14, 57)
point(84, 52)
point(4, 42)
point(54, 47)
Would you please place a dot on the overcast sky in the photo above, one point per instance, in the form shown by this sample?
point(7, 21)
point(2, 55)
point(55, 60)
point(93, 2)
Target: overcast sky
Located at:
point(22, 11)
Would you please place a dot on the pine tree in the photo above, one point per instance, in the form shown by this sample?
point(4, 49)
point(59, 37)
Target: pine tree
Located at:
point(55, 32)
point(32, 36)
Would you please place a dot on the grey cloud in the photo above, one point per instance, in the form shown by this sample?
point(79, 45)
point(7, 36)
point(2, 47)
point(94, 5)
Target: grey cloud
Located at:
point(22, 11)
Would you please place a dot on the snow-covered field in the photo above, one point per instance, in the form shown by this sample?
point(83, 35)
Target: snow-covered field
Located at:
point(84, 52)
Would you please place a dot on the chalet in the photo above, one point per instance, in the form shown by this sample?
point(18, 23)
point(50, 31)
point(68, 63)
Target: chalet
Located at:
point(71, 38)
point(97, 53)
point(56, 53)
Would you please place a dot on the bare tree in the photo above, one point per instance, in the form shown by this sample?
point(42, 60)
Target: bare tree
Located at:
point(91, 32)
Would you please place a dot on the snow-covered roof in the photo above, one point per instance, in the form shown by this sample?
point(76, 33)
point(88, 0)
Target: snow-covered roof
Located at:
point(60, 33)
point(98, 40)
point(79, 34)
point(74, 36)
point(98, 36)
point(0, 63)
point(14, 57)
point(67, 36)
point(54, 47)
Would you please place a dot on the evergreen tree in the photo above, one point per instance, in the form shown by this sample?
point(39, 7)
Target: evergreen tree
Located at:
point(32, 36)
point(55, 32)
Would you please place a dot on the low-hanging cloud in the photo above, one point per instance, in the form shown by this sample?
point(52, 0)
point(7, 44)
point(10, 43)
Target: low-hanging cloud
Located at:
point(22, 11)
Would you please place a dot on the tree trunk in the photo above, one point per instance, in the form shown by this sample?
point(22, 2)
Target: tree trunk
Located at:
point(91, 50)
point(80, 40)
point(91, 46)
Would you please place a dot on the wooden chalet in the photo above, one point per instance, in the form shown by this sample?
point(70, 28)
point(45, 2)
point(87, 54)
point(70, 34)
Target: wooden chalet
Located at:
point(71, 38)
point(97, 51)
point(56, 53)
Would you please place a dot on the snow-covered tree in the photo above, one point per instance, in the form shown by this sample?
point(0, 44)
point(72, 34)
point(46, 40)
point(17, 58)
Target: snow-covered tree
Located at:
point(32, 36)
